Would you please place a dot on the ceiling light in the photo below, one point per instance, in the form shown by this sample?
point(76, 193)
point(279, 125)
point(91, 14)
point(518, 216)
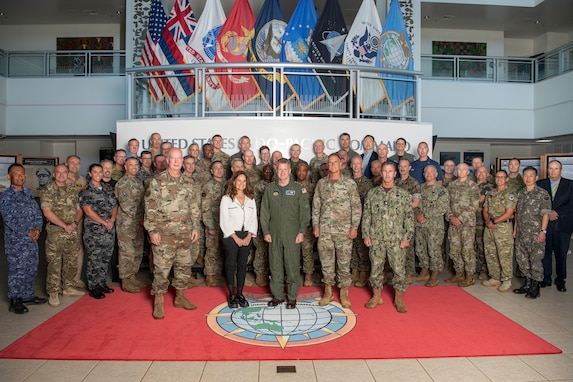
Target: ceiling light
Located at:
point(544, 141)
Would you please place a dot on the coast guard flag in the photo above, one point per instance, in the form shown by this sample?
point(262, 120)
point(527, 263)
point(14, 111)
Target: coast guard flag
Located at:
point(201, 49)
point(327, 46)
point(295, 47)
point(180, 26)
point(361, 48)
point(155, 25)
point(395, 52)
point(266, 46)
point(232, 46)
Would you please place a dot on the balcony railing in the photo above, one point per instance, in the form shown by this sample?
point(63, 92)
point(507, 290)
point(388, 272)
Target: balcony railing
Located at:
point(360, 92)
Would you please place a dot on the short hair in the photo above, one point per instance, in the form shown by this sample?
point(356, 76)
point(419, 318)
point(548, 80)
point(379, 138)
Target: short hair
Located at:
point(157, 156)
point(334, 155)
point(146, 152)
point(530, 168)
point(132, 158)
point(73, 156)
point(283, 161)
point(13, 165)
point(235, 160)
point(401, 139)
point(505, 172)
point(133, 139)
point(94, 165)
point(555, 161)
point(118, 150)
point(406, 160)
point(205, 145)
point(214, 163)
point(344, 134)
point(263, 148)
point(388, 163)
point(101, 162)
point(188, 157)
point(518, 161)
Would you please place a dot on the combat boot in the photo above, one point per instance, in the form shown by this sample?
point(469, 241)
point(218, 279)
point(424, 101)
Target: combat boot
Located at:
point(399, 302)
point(362, 280)
point(375, 300)
point(433, 281)
point(308, 279)
point(524, 288)
point(194, 281)
point(410, 279)
point(262, 280)
point(344, 300)
point(491, 283)
point(17, 306)
point(458, 277)
point(54, 299)
point(327, 296)
point(182, 302)
point(482, 276)
point(533, 291)
point(469, 280)
point(505, 286)
point(423, 276)
point(211, 281)
point(127, 285)
point(354, 276)
point(158, 312)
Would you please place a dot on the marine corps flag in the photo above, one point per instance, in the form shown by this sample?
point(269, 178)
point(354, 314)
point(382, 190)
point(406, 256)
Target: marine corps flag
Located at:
point(295, 47)
point(395, 52)
point(361, 48)
point(327, 46)
point(266, 47)
point(201, 49)
point(232, 46)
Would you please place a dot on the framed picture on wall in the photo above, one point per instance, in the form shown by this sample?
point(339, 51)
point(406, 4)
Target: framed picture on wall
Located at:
point(470, 155)
point(502, 163)
point(566, 160)
point(449, 155)
point(5, 161)
point(39, 172)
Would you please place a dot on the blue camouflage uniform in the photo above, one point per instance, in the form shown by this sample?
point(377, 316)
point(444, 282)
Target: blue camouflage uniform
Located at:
point(21, 215)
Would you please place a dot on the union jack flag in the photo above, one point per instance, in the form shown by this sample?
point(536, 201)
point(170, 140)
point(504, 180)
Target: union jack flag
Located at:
point(182, 21)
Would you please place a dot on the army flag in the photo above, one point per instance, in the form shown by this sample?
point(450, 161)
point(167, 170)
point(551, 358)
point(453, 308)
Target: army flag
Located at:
point(201, 49)
point(361, 48)
point(149, 56)
point(232, 46)
point(395, 52)
point(179, 86)
point(266, 46)
point(295, 48)
point(327, 47)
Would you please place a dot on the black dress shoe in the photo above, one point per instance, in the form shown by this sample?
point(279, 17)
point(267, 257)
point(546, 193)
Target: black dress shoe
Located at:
point(233, 304)
point(291, 304)
point(243, 303)
point(17, 306)
point(97, 293)
point(106, 289)
point(561, 288)
point(543, 284)
point(274, 302)
point(36, 301)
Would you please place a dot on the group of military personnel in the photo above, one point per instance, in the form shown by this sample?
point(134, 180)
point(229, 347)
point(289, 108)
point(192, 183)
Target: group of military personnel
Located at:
point(370, 216)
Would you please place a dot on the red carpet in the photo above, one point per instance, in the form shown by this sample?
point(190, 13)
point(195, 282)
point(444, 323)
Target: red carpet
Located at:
point(441, 322)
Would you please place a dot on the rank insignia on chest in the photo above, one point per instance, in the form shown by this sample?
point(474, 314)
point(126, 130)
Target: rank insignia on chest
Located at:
point(290, 192)
point(275, 193)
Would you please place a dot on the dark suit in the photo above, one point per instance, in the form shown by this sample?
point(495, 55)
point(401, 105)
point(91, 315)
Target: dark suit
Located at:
point(558, 231)
point(373, 157)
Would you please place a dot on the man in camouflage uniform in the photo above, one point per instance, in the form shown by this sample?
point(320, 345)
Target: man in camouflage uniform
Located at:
point(376, 171)
point(449, 168)
point(261, 260)
point(345, 145)
point(73, 162)
point(387, 228)
point(119, 167)
point(360, 261)
point(198, 248)
point(514, 180)
point(129, 193)
point(408, 183)
point(146, 170)
point(155, 144)
point(434, 203)
point(203, 166)
point(253, 173)
point(484, 187)
point(302, 176)
point(22, 226)
point(61, 207)
point(336, 213)
point(211, 194)
point(345, 169)
point(172, 220)
point(464, 201)
point(218, 153)
point(498, 236)
point(530, 230)
point(319, 158)
point(295, 160)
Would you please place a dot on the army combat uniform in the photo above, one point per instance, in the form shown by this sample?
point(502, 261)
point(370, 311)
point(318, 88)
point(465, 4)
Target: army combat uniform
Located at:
point(211, 194)
point(413, 187)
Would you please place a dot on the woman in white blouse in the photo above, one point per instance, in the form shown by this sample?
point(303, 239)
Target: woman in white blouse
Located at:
point(238, 220)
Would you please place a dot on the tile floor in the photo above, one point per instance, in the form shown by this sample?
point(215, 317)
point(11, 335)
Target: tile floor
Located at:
point(550, 317)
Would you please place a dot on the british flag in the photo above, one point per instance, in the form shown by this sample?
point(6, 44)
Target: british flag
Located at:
point(156, 24)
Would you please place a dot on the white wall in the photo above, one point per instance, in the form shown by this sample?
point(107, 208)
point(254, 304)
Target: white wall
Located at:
point(494, 39)
point(553, 104)
point(43, 37)
point(515, 47)
point(550, 41)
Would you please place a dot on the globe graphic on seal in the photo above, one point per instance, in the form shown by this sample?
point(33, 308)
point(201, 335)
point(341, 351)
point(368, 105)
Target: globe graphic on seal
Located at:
point(394, 56)
point(281, 322)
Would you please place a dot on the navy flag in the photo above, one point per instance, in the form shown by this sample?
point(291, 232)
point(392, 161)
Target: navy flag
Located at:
point(327, 47)
point(295, 48)
point(395, 52)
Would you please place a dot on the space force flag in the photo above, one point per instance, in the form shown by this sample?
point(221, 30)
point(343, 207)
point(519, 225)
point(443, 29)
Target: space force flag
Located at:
point(361, 48)
point(201, 49)
point(266, 47)
point(295, 47)
point(327, 47)
point(395, 52)
point(232, 46)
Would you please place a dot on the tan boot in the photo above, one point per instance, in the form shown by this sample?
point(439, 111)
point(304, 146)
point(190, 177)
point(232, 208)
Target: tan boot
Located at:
point(193, 282)
point(344, 300)
point(469, 280)
point(458, 277)
point(482, 276)
point(505, 286)
point(262, 280)
point(491, 283)
point(423, 276)
point(399, 302)
point(362, 280)
point(410, 279)
point(308, 279)
point(354, 276)
point(129, 286)
point(211, 281)
point(139, 283)
point(158, 312)
point(327, 296)
point(182, 302)
point(433, 281)
point(375, 300)
point(54, 299)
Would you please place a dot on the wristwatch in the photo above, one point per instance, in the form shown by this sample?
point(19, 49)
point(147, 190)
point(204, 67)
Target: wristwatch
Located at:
point(544, 231)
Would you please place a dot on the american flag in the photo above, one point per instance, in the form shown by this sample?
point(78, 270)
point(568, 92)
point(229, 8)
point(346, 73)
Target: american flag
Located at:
point(156, 24)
